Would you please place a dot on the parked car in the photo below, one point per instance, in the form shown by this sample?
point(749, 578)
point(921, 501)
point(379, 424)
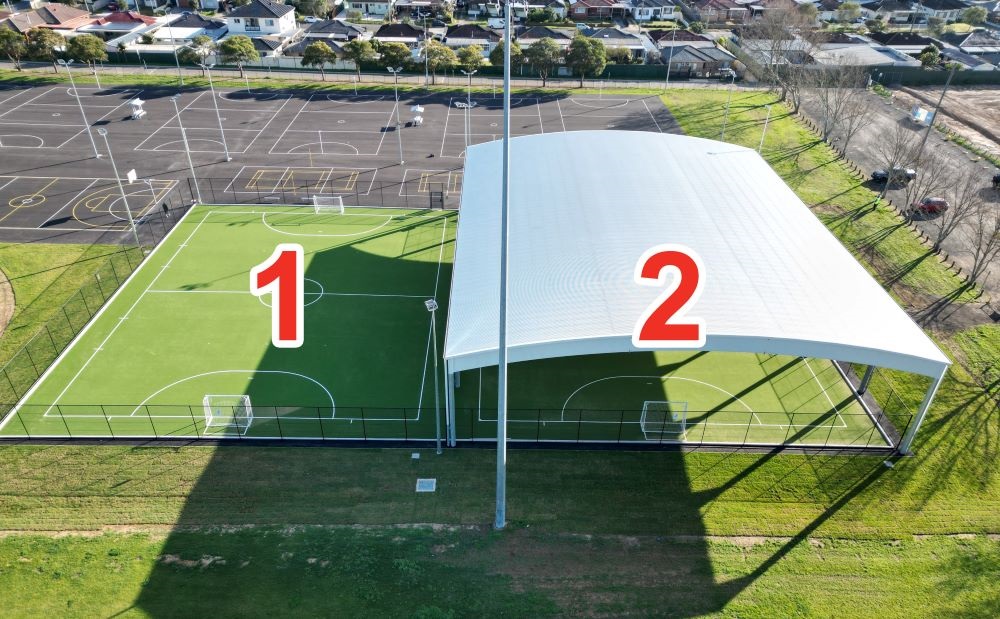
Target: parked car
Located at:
point(930, 206)
point(730, 75)
point(996, 182)
point(440, 23)
point(897, 175)
point(312, 19)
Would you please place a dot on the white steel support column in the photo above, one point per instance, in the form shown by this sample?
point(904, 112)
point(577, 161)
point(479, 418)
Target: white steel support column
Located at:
point(449, 403)
point(911, 431)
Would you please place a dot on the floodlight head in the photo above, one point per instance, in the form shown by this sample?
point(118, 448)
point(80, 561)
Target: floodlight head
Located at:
point(431, 305)
point(65, 63)
point(102, 131)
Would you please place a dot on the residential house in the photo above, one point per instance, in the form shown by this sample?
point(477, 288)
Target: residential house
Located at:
point(715, 11)
point(181, 28)
point(982, 43)
point(527, 35)
point(827, 10)
point(966, 62)
point(948, 10)
point(118, 24)
point(407, 34)
point(335, 30)
point(655, 10)
point(599, 9)
point(297, 49)
point(371, 8)
point(910, 43)
point(262, 18)
point(863, 56)
point(679, 38)
point(58, 17)
point(892, 11)
point(692, 61)
point(471, 34)
point(617, 38)
point(758, 8)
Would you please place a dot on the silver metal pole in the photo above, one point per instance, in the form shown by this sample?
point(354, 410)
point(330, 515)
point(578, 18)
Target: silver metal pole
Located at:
point(725, 119)
point(76, 93)
point(432, 306)
point(501, 508)
point(121, 188)
point(215, 102)
point(670, 57)
point(468, 107)
point(911, 430)
point(764, 132)
point(187, 149)
point(399, 127)
point(173, 46)
point(426, 59)
point(937, 108)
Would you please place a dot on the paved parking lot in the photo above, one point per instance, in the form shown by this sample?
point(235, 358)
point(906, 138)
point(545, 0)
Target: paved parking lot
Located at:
point(284, 146)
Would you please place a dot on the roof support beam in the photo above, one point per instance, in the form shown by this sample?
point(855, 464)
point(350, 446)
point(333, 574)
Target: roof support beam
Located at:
point(911, 431)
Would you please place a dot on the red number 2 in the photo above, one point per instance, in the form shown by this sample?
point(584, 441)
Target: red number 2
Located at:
point(658, 327)
point(281, 276)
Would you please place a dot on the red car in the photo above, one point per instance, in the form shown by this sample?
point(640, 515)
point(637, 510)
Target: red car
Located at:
point(930, 206)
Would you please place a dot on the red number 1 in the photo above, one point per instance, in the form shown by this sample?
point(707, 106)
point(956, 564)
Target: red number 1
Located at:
point(281, 276)
point(658, 327)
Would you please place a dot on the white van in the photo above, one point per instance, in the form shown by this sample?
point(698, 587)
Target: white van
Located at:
point(495, 22)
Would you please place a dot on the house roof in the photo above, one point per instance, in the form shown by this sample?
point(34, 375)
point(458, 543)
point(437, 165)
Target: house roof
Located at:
point(299, 48)
point(718, 5)
point(267, 44)
point(974, 39)
point(194, 20)
point(900, 39)
point(335, 26)
point(889, 6)
point(944, 5)
point(57, 16)
point(652, 4)
point(959, 56)
point(124, 17)
point(399, 31)
point(471, 31)
point(681, 35)
point(261, 8)
point(776, 280)
point(690, 53)
point(541, 32)
point(54, 13)
point(612, 33)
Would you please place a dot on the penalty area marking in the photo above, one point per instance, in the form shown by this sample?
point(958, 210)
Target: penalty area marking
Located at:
point(579, 102)
point(388, 220)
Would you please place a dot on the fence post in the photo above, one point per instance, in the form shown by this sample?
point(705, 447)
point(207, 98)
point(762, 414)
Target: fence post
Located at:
point(194, 423)
point(114, 271)
point(28, 353)
point(621, 416)
point(322, 433)
point(23, 426)
point(406, 427)
point(152, 425)
point(538, 421)
point(579, 423)
point(11, 383)
point(281, 434)
point(52, 340)
point(749, 423)
point(69, 433)
point(364, 430)
point(107, 420)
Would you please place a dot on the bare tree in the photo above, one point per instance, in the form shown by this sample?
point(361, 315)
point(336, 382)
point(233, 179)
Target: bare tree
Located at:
point(779, 45)
point(983, 237)
point(965, 199)
point(834, 90)
point(897, 149)
point(931, 181)
point(859, 112)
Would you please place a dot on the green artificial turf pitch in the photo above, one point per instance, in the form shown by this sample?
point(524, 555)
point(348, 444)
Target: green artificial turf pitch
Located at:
point(186, 326)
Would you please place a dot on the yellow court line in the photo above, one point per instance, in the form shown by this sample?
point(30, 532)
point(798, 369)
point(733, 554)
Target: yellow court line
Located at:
point(454, 182)
point(14, 209)
point(350, 182)
point(252, 183)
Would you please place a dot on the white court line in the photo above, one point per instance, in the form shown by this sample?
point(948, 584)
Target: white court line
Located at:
point(89, 127)
point(562, 117)
point(430, 327)
point(20, 105)
point(650, 112)
point(444, 135)
point(288, 127)
point(268, 123)
point(827, 394)
point(388, 220)
point(322, 294)
point(61, 208)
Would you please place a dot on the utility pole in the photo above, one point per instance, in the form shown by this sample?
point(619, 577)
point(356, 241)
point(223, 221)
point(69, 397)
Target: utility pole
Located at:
point(937, 108)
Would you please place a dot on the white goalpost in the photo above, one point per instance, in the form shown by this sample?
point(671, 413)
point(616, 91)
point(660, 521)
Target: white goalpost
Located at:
point(328, 204)
point(227, 413)
point(664, 421)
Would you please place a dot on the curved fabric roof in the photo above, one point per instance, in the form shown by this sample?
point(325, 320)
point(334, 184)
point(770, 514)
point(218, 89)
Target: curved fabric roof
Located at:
point(585, 205)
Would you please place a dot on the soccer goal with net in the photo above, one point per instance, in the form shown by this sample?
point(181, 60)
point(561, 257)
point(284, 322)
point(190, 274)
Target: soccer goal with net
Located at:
point(664, 421)
point(328, 204)
point(225, 414)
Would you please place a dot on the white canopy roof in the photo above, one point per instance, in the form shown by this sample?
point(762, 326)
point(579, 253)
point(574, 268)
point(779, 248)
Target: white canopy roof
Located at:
point(585, 205)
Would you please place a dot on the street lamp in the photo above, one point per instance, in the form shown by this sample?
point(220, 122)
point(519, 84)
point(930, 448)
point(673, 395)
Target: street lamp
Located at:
point(670, 58)
point(426, 58)
point(432, 306)
point(468, 107)
point(187, 149)
point(121, 188)
point(215, 102)
point(764, 132)
point(173, 46)
point(83, 114)
point(725, 118)
point(399, 128)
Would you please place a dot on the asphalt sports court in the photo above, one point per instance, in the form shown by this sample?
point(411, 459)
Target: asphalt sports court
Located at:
point(185, 326)
point(76, 204)
point(51, 119)
point(302, 183)
point(337, 124)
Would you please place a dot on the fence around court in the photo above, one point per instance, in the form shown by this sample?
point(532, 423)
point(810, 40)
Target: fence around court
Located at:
point(410, 194)
point(529, 426)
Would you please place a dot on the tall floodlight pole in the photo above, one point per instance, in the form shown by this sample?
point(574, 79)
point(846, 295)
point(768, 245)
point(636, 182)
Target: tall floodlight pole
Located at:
point(725, 118)
point(173, 46)
point(187, 149)
point(427, 62)
point(501, 512)
point(121, 188)
point(215, 102)
point(399, 126)
point(468, 107)
point(431, 305)
point(764, 132)
point(83, 115)
point(670, 58)
point(937, 108)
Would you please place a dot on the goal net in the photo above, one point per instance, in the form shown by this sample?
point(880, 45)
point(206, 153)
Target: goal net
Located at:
point(664, 421)
point(227, 414)
point(328, 204)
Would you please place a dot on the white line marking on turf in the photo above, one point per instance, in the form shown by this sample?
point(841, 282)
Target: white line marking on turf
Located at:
point(333, 405)
point(833, 406)
point(430, 330)
point(389, 218)
point(324, 294)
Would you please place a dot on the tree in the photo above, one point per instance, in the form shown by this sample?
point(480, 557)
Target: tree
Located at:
point(544, 54)
point(983, 239)
point(194, 5)
point(875, 25)
point(696, 27)
point(13, 45)
point(541, 16)
point(808, 11)
point(470, 58)
point(848, 11)
point(43, 43)
point(858, 113)
point(87, 48)
point(929, 56)
point(238, 50)
point(359, 52)
point(834, 89)
point(974, 15)
point(776, 55)
point(121, 51)
point(586, 56)
point(965, 198)
point(317, 55)
point(439, 56)
point(897, 148)
point(393, 54)
point(195, 52)
point(935, 25)
point(516, 55)
point(619, 55)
